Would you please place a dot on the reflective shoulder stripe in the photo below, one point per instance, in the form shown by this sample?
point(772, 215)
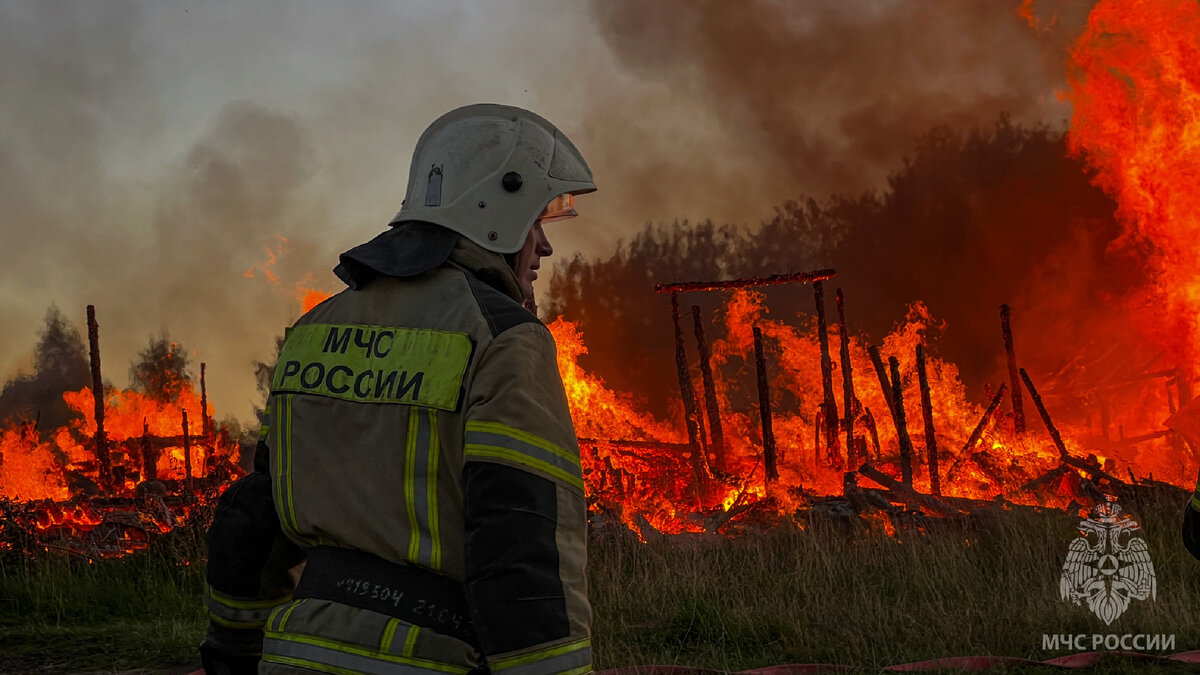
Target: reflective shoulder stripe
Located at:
point(374, 364)
point(574, 658)
point(231, 612)
point(489, 441)
point(1196, 501)
point(333, 656)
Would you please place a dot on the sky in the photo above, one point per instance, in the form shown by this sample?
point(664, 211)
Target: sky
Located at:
point(185, 166)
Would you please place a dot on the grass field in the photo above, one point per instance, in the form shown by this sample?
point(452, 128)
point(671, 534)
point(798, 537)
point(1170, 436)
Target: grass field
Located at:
point(813, 590)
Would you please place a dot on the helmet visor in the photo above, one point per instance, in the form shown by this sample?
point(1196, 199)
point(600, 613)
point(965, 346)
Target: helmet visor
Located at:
point(559, 208)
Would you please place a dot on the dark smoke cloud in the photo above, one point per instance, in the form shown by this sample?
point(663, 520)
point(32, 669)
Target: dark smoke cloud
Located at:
point(818, 97)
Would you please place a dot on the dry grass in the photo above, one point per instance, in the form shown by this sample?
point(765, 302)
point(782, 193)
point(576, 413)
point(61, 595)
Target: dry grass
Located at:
point(828, 590)
point(816, 590)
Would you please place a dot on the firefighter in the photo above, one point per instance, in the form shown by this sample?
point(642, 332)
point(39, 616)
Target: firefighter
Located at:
point(418, 454)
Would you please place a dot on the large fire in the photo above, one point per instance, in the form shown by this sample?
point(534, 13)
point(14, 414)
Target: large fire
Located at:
point(1135, 87)
point(1135, 84)
point(161, 460)
point(640, 468)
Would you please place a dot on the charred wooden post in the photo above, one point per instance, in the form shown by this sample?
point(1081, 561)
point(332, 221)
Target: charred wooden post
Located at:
point(1184, 386)
point(905, 492)
point(187, 454)
point(1041, 407)
point(691, 412)
point(101, 439)
point(829, 404)
point(716, 434)
point(881, 372)
point(987, 415)
point(205, 424)
point(764, 408)
point(849, 406)
point(906, 449)
point(1011, 355)
point(747, 282)
point(931, 452)
point(1057, 438)
point(873, 430)
point(149, 461)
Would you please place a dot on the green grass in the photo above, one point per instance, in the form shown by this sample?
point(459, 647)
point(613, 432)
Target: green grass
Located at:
point(71, 614)
point(819, 589)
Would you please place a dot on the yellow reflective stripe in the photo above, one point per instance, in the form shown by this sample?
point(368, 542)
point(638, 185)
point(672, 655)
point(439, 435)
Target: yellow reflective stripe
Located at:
point(311, 665)
point(233, 613)
point(420, 488)
point(484, 440)
point(1196, 501)
point(359, 651)
point(389, 634)
point(291, 505)
point(285, 503)
point(569, 657)
point(491, 452)
point(288, 613)
point(435, 538)
point(374, 364)
point(279, 464)
point(410, 472)
point(524, 437)
point(273, 619)
point(229, 601)
point(410, 641)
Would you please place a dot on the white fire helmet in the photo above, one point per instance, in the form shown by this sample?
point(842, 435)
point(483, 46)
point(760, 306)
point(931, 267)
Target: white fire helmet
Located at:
point(489, 171)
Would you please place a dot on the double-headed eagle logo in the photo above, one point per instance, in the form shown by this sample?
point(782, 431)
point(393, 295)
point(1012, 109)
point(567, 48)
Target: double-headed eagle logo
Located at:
point(1113, 569)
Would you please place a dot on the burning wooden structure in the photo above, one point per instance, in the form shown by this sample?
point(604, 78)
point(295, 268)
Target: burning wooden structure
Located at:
point(129, 468)
point(729, 462)
point(765, 431)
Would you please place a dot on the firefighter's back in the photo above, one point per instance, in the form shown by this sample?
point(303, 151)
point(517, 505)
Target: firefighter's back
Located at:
point(366, 454)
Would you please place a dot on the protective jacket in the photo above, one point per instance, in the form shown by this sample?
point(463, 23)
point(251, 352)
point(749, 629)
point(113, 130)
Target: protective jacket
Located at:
point(421, 454)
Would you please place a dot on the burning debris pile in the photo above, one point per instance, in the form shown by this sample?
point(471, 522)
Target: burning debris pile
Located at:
point(122, 469)
point(865, 415)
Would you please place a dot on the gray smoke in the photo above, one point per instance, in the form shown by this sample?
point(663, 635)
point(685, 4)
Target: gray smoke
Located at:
point(152, 152)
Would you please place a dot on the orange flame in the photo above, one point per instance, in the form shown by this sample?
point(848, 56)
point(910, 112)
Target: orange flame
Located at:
point(1135, 85)
point(643, 471)
point(273, 254)
point(32, 468)
point(310, 297)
